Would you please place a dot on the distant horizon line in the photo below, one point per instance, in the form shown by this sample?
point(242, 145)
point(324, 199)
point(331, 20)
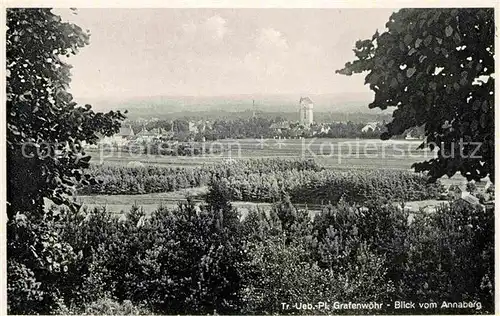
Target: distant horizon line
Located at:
point(224, 95)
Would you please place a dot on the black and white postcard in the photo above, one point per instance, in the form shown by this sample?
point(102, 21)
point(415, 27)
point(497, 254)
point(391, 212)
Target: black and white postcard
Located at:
point(239, 158)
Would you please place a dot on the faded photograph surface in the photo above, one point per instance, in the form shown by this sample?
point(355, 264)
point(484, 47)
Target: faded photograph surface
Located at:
point(250, 161)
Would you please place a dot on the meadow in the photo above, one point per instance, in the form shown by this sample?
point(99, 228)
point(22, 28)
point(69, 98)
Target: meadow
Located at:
point(334, 153)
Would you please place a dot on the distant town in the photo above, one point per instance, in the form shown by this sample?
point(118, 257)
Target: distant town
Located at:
point(146, 131)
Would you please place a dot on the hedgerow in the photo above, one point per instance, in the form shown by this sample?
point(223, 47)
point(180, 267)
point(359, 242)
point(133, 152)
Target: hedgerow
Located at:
point(153, 179)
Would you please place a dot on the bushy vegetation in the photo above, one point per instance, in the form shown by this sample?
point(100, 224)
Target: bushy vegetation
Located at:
point(167, 148)
point(268, 180)
point(144, 179)
point(330, 186)
point(105, 307)
point(203, 259)
point(153, 179)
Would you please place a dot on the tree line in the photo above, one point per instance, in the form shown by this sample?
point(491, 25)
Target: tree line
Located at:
point(268, 180)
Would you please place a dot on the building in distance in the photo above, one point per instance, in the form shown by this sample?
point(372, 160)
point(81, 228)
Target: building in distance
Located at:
point(306, 106)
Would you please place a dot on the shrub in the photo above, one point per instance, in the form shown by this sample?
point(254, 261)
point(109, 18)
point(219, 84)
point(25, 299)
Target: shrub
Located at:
point(276, 274)
point(203, 259)
point(283, 271)
point(381, 226)
point(471, 187)
point(39, 262)
point(23, 289)
point(105, 306)
point(330, 186)
point(194, 265)
point(90, 232)
point(452, 256)
point(176, 261)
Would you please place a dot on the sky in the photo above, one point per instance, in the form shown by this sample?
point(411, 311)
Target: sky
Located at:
point(209, 52)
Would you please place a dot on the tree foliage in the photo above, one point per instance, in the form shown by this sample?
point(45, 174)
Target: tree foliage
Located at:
point(45, 131)
point(45, 127)
point(201, 259)
point(435, 66)
point(330, 186)
point(266, 180)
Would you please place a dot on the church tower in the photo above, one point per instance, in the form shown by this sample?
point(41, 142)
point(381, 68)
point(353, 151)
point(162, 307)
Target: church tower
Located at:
point(306, 111)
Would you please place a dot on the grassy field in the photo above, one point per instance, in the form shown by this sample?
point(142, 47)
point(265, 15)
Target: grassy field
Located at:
point(331, 153)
